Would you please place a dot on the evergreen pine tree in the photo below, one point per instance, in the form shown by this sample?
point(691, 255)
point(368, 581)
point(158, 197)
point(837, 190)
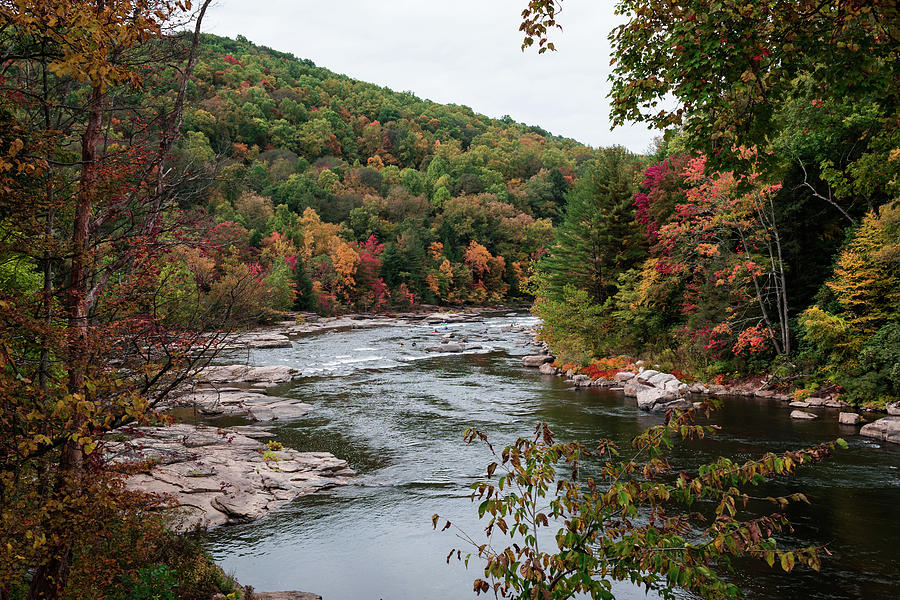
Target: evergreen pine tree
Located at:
point(598, 238)
point(305, 298)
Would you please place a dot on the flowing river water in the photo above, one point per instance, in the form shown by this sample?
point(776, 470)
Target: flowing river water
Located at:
point(398, 414)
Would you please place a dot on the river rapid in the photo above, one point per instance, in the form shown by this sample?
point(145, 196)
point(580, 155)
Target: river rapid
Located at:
point(398, 414)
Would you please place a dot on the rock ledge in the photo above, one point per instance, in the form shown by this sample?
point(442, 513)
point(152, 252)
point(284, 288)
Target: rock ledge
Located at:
point(220, 476)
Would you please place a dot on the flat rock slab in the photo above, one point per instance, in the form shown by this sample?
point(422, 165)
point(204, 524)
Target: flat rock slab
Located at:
point(803, 415)
point(886, 429)
point(219, 476)
point(253, 405)
point(257, 339)
point(244, 374)
point(447, 347)
point(338, 324)
point(462, 317)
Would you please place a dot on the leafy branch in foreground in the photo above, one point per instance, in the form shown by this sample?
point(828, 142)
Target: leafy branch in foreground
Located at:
point(635, 521)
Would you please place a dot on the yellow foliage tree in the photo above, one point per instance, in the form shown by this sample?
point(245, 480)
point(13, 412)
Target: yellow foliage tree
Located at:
point(866, 288)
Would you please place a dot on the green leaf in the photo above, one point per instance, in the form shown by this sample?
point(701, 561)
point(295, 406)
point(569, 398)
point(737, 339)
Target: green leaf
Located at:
point(787, 561)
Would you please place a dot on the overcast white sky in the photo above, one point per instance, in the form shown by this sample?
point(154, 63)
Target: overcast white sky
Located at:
point(452, 51)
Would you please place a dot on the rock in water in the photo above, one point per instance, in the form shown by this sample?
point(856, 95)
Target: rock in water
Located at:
point(848, 418)
point(581, 381)
point(245, 374)
point(803, 415)
point(647, 397)
point(547, 369)
point(536, 360)
point(660, 379)
point(658, 400)
point(447, 347)
point(647, 374)
point(633, 386)
point(678, 403)
point(886, 429)
point(623, 376)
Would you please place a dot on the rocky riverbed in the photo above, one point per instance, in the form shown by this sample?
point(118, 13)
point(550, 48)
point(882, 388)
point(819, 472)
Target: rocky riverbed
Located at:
point(220, 476)
point(223, 476)
point(279, 334)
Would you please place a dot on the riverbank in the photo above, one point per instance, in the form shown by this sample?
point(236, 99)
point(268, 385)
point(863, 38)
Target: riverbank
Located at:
point(657, 391)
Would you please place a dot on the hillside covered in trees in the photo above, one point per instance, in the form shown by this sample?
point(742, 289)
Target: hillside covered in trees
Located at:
point(343, 195)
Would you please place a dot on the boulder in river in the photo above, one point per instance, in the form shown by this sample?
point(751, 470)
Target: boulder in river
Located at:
point(893, 408)
point(674, 385)
point(548, 369)
point(581, 381)
point(826, 402)
point(660, 400)
point(633, 386)
point(802, 415)
point(647, 397)
point(623, 376)
point(536, 360)
point(646, 374)
point(886, 429)
point(448, 347)
point(660, 379)
point(676, 403)
point(849, 418)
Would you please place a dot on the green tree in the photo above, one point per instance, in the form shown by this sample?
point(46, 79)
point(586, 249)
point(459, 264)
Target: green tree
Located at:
point(598, 238)
point(728, 63)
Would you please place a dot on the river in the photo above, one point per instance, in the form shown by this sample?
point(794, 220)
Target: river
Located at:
point(397, 414)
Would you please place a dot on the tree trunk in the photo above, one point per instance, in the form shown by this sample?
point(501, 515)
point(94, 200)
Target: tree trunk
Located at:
point(50, 578)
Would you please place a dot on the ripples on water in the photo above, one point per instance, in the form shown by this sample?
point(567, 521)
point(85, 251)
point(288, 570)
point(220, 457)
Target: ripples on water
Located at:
point(397, 414)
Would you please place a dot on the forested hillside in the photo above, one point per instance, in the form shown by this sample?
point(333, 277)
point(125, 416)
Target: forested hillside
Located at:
point(344, 195)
